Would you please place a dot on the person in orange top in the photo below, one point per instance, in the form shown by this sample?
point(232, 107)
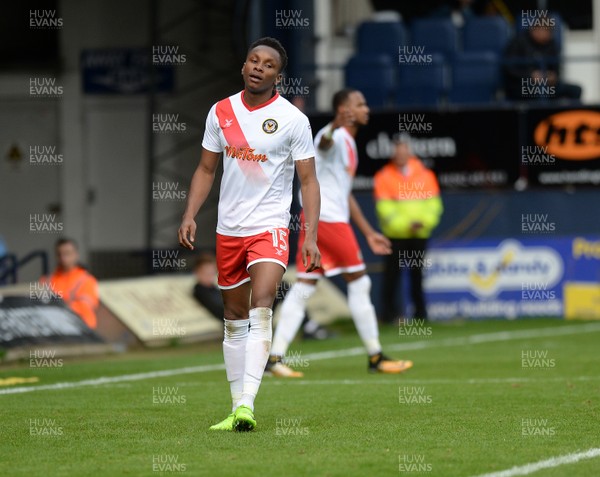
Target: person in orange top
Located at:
point(78, 288)
point(408, 207)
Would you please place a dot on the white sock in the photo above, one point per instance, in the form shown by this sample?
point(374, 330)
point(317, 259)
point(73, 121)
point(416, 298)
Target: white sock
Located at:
point(291, 316)
point(258, 346)
point(363, 313)
point(234, 353)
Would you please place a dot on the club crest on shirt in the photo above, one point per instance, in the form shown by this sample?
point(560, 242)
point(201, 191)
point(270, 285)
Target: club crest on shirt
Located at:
point(270, 126)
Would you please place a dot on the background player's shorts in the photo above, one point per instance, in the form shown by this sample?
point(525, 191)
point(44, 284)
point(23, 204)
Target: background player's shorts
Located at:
point(235, 255)
point(339, 249)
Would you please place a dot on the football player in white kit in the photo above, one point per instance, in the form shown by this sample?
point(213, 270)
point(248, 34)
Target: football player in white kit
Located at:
point(336, 163)
point(262, 137)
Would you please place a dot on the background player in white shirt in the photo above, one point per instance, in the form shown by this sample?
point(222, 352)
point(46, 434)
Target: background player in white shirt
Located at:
point(336, 163)
point(262, 136)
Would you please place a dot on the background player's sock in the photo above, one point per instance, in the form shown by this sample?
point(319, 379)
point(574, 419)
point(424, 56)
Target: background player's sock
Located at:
point(234, 354)
point(258, 346)
point(363, 313)
point(292, 313)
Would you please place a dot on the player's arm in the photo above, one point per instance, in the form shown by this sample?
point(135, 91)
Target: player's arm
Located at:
point(379, 244)
point(327, 138)
point(343, 118)
point(202, 181)
point(311, 203)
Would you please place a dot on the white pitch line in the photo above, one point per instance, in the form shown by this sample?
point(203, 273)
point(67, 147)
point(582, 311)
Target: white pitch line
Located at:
point(342, 353)
point(116, 379)
point(545, 464)
point(466, 340)
point(405, 381)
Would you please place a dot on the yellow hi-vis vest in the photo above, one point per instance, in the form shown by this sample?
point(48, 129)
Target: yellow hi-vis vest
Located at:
point(402, 199)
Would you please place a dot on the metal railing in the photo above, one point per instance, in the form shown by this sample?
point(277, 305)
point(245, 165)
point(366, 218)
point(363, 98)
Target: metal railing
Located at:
point(10, 264)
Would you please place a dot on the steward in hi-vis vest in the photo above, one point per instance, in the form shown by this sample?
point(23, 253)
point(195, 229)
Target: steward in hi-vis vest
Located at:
point(408, 206)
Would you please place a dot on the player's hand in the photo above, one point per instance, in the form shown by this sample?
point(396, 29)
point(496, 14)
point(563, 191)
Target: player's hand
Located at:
point(344, 117)
point(187, 233)
point(311, 257)
point(379, 244)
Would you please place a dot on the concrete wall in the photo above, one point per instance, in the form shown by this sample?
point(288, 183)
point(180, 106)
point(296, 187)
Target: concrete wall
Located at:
point(95, 191)
point(584, 44)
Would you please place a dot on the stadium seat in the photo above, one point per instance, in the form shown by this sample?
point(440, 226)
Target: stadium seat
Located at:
point(474, 77)
point(436, 35)
point(381, 37)
point(374, 76)
point(486, 34)
point(423, 84)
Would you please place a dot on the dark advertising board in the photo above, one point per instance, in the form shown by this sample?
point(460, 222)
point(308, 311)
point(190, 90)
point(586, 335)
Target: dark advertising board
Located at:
point(487, 148)
point(563, 147)
point(25, 321)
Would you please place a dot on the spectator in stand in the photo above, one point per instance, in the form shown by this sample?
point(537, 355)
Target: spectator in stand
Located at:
point(458, 11)
point(532, 58)
point(77, 287)
point(206, 291)
point(408, 207)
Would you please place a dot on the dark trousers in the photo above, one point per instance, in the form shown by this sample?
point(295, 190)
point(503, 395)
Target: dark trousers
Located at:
point(407, 254)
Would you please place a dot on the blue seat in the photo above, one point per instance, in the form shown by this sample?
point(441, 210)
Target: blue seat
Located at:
point(422, 84)
point(486, 34)
point(475, 77)
point(381, 37)
point(436, 35)
point(374, 76)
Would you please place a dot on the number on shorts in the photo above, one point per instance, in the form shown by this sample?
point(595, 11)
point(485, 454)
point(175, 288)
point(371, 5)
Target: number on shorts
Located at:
point(279, 239)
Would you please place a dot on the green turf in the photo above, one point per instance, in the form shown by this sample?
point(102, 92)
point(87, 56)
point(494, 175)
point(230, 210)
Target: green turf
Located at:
point(337, 421)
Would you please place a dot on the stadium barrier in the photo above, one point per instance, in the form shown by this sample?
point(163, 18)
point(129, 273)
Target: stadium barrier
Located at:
point(158, 310)
point(35, 328)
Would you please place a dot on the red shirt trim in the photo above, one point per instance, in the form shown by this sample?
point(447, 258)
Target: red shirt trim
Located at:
point(254, 108)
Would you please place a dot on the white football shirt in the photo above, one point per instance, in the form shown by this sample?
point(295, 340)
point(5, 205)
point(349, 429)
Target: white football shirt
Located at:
point(259, 147)
point(336, 168)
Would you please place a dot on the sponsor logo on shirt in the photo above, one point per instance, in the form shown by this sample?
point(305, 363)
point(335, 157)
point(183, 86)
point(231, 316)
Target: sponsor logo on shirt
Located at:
point(244, 153)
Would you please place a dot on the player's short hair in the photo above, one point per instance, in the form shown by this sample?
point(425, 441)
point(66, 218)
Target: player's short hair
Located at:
point(341, 97)
point(276, 45)
point(63, 241)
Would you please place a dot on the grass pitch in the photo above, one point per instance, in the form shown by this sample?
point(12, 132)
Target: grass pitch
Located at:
point(482, 397)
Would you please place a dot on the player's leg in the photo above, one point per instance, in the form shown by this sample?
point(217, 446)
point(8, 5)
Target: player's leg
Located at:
point(236, 303)
point(349, 260)
point(265, 276)
point(362, 310)
point(292, 311)
point(234, 282)
point(365, 320)
point(416, 278)
point(391, 276)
